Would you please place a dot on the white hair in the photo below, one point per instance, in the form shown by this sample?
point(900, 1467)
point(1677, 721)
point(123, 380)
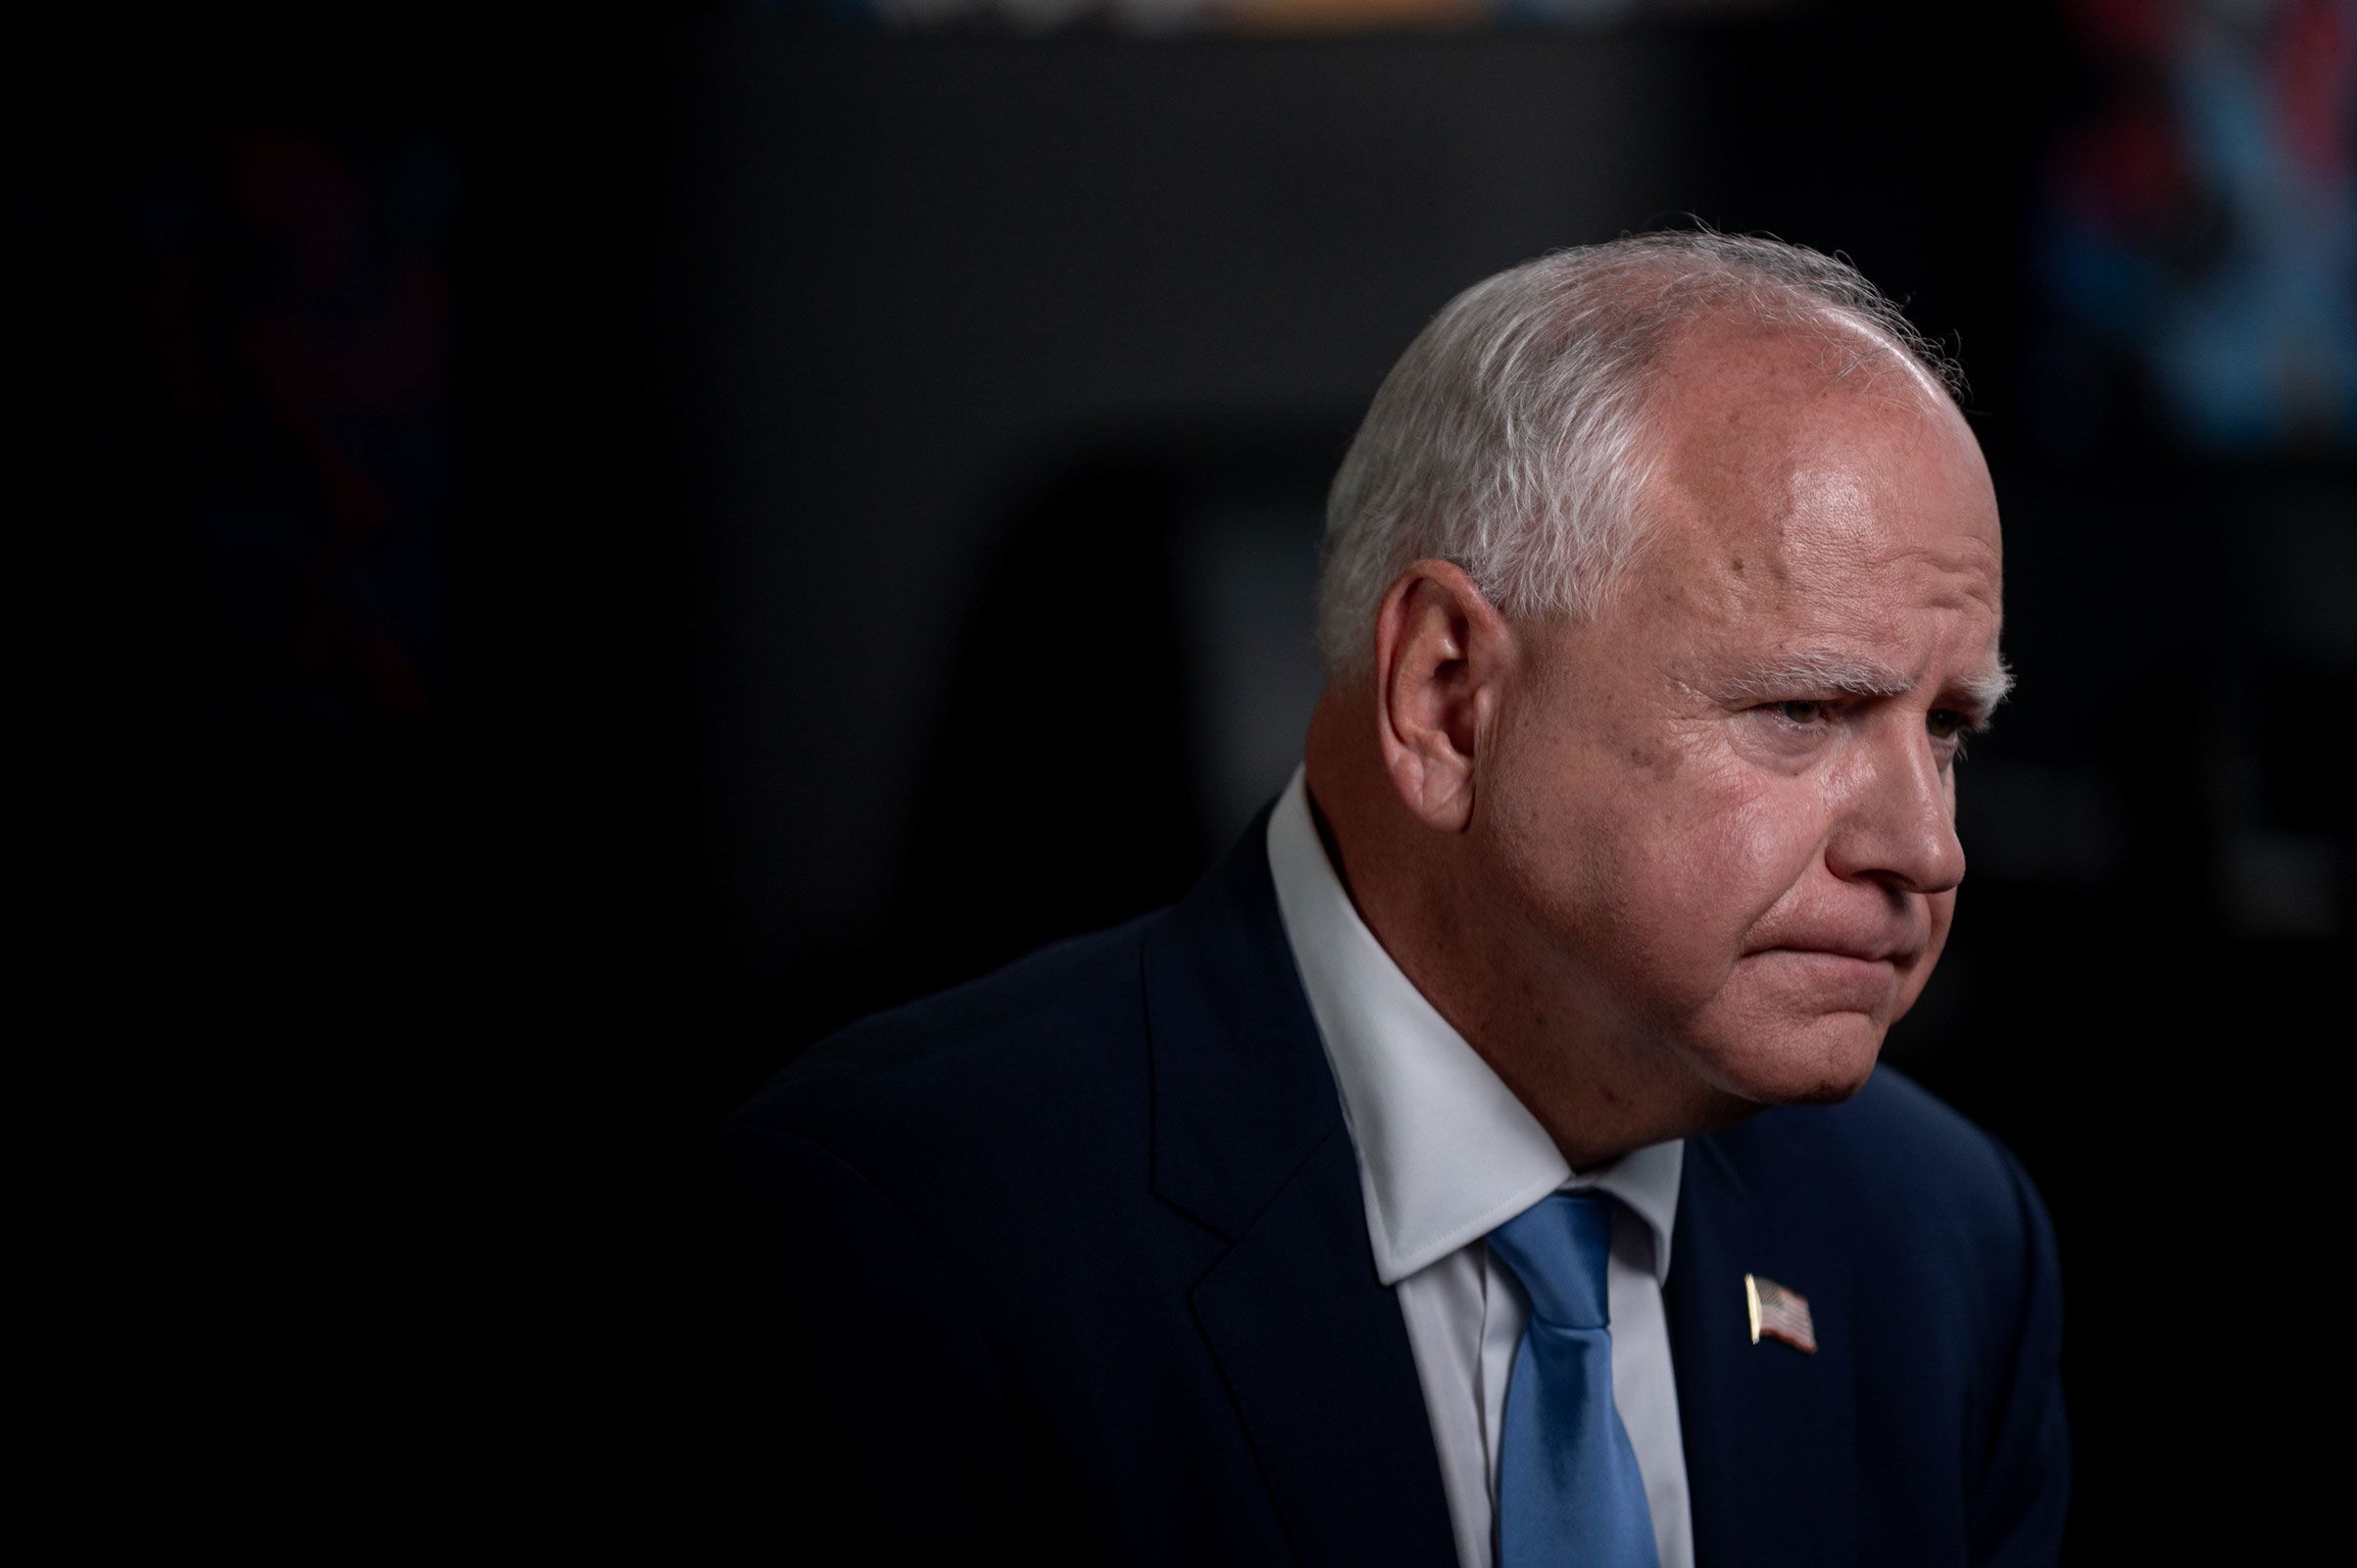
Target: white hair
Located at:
point(1511, 437)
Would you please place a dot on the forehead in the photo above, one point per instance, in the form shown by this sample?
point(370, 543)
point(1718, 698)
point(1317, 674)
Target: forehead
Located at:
point(1798, 464)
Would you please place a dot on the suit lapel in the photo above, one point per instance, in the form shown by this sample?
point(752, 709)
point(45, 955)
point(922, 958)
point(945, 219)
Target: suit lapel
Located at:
point(1316, 1356)
point(1771, 1432)
point(1250, 1142)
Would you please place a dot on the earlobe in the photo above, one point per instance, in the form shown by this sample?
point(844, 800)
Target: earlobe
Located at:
point(1438, 643)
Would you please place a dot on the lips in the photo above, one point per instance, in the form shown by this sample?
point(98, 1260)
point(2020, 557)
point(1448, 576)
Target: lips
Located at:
point(1862, 952)
point(1895, 931)
point(1864, 947)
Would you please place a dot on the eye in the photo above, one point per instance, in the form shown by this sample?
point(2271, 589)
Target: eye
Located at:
point(1803, 712)
point(1946, 724)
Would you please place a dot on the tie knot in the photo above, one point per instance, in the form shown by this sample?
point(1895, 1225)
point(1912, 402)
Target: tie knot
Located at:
point(1557, 1250)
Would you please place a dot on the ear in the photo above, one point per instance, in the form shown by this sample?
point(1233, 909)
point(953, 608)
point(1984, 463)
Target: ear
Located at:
point(1441, 656)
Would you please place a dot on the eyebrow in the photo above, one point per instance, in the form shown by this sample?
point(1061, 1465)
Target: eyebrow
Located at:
point(1826, 670)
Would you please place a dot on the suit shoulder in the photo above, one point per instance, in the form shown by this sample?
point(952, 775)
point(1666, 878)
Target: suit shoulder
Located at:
point(1958, 1282)
point(1896, 1161)
point(1044, 1036)
point(1896, 1123)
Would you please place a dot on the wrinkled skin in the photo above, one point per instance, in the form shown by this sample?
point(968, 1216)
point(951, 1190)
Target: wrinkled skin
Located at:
point(1755, 875)
point(1687, 863)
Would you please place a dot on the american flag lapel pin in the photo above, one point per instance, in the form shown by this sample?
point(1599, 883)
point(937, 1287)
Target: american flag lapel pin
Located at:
point(1778, 1314)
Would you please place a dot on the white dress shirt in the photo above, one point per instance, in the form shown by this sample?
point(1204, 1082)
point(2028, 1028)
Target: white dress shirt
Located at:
point(1446, 1154)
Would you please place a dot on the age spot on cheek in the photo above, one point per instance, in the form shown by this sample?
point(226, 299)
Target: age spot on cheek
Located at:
point(1659, 762)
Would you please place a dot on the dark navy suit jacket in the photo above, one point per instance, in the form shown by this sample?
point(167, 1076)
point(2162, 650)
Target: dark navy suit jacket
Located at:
point(1073, 1261)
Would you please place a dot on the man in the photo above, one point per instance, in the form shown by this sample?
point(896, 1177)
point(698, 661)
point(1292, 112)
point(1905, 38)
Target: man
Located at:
point(1483, 1163)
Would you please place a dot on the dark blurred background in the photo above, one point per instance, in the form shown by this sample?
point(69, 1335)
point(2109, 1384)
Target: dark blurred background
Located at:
point(614, 548)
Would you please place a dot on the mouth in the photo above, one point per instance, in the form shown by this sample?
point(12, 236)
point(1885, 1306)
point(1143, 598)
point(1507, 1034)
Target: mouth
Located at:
point(1861, 978)
point(1859, 953)
point(1897, 948)
point(1831, 959)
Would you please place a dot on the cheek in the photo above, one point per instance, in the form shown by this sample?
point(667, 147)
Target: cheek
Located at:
point(1704, 870)
point(1919, 974)
point(1943, 915)
point(1751, 849)
point(1658, 860)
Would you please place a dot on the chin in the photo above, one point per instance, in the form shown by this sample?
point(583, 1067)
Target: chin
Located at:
point(1820, 1063)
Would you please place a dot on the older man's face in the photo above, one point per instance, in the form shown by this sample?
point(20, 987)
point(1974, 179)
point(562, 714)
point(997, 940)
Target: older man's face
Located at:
point(1721, 814)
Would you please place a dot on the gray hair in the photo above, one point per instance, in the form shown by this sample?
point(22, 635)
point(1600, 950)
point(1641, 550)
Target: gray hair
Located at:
point(1511, 437)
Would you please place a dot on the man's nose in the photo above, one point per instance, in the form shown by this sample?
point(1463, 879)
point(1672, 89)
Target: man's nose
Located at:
point(1901, 826)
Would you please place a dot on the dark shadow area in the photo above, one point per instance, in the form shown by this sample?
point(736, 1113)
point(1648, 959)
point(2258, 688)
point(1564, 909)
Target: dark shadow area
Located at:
point(612, 556)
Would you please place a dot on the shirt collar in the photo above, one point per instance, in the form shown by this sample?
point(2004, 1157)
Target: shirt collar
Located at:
point(1445, 1151)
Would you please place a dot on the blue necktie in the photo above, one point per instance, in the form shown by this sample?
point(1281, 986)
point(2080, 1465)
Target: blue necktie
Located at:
point(1568, 1488)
